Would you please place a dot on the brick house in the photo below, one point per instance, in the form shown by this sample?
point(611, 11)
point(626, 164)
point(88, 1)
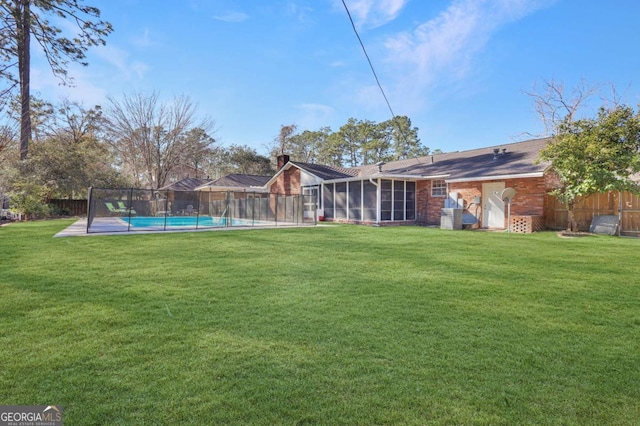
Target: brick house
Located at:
point(415, 191)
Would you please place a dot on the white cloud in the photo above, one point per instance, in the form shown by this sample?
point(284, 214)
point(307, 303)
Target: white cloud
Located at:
point(88, 84)
point(82, 90)
point(143, 40)
point(374, 13)
point(443, 49)
point(314, 116)
point(110, 69)
point(119, 59)
point(232, 17)
point(300, 10)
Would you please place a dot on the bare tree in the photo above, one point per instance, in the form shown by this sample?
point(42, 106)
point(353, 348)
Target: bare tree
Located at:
point(149, 136)
point(199, 150)
point(241, 159)
point(555, 105)
point(77, 121)
point(285, 134)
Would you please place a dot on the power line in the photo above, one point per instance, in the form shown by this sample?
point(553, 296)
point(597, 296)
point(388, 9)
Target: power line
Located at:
point(393, 115)
point(353, 25)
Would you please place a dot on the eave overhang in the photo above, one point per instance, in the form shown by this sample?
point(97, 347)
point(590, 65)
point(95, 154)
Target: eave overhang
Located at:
point(496, 177)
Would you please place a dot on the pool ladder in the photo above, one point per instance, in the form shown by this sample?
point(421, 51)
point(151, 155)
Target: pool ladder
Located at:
point(224, 213)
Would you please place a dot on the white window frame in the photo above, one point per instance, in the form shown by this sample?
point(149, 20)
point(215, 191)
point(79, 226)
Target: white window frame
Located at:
point(440, 190)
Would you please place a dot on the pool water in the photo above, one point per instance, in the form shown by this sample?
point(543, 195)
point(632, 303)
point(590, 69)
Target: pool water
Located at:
point(184, 221)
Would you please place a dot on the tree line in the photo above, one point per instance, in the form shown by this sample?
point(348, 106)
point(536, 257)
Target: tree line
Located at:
point(356, 143)
point(141, 141)
point(135, 141)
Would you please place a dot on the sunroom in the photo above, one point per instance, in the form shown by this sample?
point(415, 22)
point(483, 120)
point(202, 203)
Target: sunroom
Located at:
point(382, 199)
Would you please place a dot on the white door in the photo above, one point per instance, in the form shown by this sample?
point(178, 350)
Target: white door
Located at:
point(310, 201)
point(492, 205)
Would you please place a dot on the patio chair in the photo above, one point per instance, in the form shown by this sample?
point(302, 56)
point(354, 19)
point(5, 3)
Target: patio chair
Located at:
point(125, 209)
point(189, 211)
point(112, 209)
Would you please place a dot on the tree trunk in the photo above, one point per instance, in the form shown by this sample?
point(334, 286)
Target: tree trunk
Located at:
point(24, 69)
point(572, 225)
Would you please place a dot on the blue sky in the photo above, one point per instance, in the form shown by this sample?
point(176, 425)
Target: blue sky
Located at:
point(457, 68)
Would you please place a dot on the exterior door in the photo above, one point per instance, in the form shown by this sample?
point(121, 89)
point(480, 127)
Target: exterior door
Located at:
point(310, 201)
point(492, 205)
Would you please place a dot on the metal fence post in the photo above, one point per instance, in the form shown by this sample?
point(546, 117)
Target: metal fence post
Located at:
point(130, 204)
point(90, 211)
point(197, 207)
point(253, 210)
point(226, 210)
point(166, 206)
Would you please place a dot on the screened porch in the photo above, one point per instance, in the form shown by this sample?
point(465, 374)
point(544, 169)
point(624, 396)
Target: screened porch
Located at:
point(369, 201)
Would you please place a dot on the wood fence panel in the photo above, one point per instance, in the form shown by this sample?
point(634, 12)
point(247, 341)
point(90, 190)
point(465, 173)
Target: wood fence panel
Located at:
point(630, 201)
point(631, 222)
point(556, 215)
point(630, 213)
point(74, 207)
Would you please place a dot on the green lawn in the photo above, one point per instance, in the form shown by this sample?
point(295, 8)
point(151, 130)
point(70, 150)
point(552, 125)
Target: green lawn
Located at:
point(328, 325)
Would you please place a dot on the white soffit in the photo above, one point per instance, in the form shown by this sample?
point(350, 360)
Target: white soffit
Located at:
point(497, 177)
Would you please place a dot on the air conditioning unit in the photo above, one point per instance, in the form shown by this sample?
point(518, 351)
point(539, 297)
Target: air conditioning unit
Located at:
point(451, 219)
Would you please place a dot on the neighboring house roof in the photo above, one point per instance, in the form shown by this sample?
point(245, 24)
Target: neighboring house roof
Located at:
point(186, 184)
point(236, 181)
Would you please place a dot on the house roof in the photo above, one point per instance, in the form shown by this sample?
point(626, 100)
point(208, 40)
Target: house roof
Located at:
point(236, 180)
point(186, 184)
point(519, 158)
point(326, 172)
point(513, 159)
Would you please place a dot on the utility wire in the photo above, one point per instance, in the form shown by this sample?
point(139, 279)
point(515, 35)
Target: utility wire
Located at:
point(355, 30)
point(353, 25)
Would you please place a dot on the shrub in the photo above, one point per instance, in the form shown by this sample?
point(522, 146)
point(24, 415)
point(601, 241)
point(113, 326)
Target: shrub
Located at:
point(28, 199)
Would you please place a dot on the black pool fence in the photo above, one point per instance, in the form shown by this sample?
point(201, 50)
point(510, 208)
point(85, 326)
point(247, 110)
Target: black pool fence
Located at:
point(130, 209)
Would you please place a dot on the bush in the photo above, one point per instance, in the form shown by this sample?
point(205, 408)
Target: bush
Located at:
point(28, 199)
point(59, 211)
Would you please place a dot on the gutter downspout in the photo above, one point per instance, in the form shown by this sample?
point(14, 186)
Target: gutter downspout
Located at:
point(378, 195)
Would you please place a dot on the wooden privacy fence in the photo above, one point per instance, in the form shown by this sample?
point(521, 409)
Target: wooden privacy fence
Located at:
point(623, 204)
point(74, 207)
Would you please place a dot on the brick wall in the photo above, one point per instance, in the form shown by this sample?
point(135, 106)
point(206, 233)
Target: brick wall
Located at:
point(530, 196)
point(551, 180)
point(423, 194)
point(287, 183)
point(529, 199)
point(428, 207)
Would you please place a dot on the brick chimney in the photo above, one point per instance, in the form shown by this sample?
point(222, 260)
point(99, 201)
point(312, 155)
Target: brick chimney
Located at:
point(282, 160)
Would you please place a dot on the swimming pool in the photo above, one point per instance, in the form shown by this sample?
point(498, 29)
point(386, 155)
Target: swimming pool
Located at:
point(184, 222)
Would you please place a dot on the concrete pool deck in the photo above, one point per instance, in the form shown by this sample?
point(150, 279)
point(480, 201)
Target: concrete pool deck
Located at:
point(115, 226)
